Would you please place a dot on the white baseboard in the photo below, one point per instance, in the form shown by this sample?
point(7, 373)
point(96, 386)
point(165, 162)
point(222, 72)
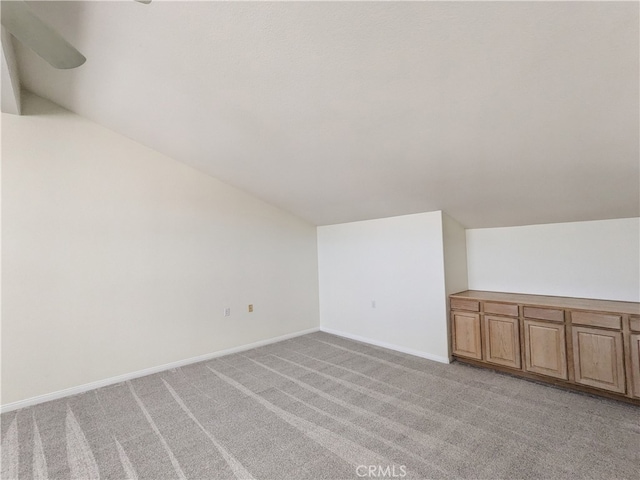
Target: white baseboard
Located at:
point(397, 348)
point(147, 371)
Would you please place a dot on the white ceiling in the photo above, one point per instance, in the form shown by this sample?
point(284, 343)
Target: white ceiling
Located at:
point(499, 113)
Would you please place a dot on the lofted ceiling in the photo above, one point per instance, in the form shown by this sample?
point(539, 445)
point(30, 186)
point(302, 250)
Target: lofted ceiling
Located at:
point(499, 113)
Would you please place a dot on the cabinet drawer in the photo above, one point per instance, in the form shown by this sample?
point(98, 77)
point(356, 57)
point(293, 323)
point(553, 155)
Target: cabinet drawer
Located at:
point(544, 314)
point(464, 304)
point(596, 320)
point(501, 309)
point(634, 323)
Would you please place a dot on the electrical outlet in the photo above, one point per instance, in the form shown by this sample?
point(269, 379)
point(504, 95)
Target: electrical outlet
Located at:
point(250, 307)
point(227, 311)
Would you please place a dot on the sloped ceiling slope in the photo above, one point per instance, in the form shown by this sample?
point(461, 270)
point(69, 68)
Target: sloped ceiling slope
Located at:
point(499, 113)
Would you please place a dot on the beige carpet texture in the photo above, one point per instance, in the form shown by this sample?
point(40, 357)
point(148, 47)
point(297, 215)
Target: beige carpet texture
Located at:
point(323, 407)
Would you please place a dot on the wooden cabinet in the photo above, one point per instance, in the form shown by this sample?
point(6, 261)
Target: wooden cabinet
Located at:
point(466, 334)
point(502, 340)
point(598, 358)
point(584, 344)
point(545, 351)
point(634, 355)
point(635, 364)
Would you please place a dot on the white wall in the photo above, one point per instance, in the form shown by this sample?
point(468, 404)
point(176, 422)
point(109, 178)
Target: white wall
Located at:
point(396, 262)
point(598, 259)
point(455, 255)
point(117, 258)
point(455, 260)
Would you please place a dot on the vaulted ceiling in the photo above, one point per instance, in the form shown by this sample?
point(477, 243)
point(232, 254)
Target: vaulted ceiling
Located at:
point(499, 113)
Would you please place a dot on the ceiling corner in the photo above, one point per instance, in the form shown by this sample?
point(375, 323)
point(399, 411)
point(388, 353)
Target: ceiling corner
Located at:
point(10, 78)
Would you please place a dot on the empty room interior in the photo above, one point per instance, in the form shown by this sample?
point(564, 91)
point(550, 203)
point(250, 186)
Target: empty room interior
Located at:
point(320, 240)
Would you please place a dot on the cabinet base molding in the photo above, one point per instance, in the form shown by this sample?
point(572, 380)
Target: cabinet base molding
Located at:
point(544, 380)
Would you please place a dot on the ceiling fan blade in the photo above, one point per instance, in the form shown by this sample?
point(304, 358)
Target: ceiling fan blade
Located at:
point(22, 23)
point(146, 2)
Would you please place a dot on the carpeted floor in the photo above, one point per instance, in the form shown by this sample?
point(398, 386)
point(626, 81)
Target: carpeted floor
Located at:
point(323, 407)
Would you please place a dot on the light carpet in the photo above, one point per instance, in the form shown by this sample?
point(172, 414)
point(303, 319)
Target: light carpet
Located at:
point(323, 407)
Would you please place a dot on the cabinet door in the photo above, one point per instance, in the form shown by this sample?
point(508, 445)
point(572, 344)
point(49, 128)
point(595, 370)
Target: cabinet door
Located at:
point(466, 334)
point(598, 358)
point(502, 341)
point(635, 364)
point(544, 349)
